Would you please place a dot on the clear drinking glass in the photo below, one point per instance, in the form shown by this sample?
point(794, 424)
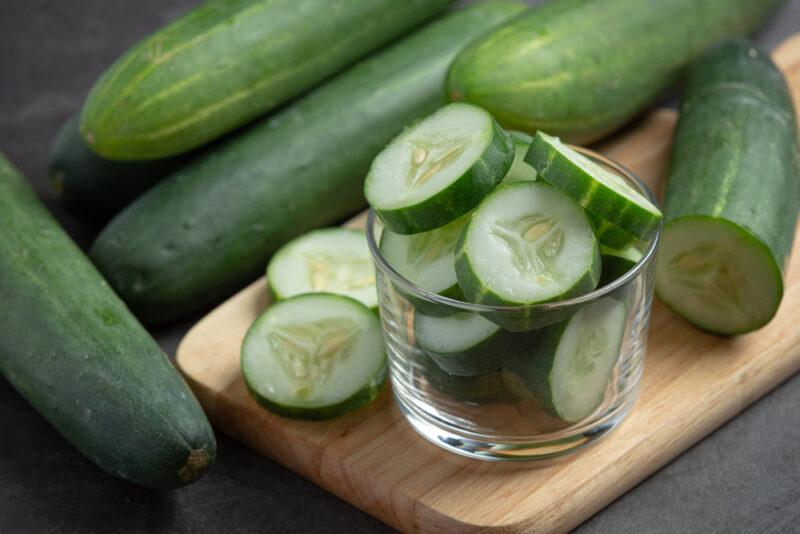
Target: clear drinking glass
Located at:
point(487, 414)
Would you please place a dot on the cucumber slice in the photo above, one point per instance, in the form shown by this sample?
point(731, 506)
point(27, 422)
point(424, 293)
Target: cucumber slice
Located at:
point(476, 390)
point(608, 234)
point(463, 344)
point(438, 169)
point(527, 243)
point(717, 275)
point(314, 356)
point(617, 262)
point(569, 368)
point(520, 170)
point(594, 187)
point(426, 259)
point(331, 260)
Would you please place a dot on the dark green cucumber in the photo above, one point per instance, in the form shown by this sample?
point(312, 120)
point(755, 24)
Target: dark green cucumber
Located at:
point(89, 185)
point(229, 61)
point(477, 390)
point(210, 227)
point(617, 262)
point(70, 346)
point(609, 234)
point(733, 193)
point(578, 69)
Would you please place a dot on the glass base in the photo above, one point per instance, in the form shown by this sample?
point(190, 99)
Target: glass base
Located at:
point(539, 449)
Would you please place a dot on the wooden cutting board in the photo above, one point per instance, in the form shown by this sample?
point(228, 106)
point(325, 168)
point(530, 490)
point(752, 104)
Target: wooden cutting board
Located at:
point(693, 382)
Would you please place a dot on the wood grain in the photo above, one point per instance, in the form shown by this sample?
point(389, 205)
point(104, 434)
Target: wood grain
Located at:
point(693, 382)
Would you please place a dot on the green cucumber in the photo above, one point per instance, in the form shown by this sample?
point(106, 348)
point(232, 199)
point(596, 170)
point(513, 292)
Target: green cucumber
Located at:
point(331, 260)
point(599, 190)
point(463, 343)
point(87, 184)
point(527, 243)
point(478, 390)
point(426, 259)
point(229, 61)
point(570, 365)
point(581, 68)
point(608, 234)
point(211, 227)
point(438, 169)
point(70, 347)
point(733, 193)
point(520, 170)
point(617, 262)
point(314, 356)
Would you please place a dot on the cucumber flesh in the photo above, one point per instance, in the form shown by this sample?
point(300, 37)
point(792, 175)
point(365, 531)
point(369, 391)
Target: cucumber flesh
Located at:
point(331, 260)
point(520, 170)
point(570, 366)
point(438, 169)
point(591, 185)
point(527, 243)
point(463, 344)
point(426, 259)
point(617, 262)
point(717, 275)
point(314, 356)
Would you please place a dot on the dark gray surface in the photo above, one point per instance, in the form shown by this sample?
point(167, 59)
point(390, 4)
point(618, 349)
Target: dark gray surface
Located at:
point(743, 478)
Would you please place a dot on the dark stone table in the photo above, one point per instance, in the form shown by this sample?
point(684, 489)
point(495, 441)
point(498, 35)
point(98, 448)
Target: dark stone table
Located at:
point(745, 477)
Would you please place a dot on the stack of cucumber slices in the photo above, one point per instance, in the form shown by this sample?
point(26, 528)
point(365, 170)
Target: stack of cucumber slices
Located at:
point(317, 352)
point(477, 214)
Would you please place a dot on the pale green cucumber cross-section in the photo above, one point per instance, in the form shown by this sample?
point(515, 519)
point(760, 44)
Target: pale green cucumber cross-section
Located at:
point(332, 260)
point(527, 243)
point(314, 356)
point(438, 169)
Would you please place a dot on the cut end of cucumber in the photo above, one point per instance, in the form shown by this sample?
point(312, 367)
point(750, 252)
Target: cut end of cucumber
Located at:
point(585, 358)
point(429, 156)
point(717, 275)
point(314, 356)
point(331, 260)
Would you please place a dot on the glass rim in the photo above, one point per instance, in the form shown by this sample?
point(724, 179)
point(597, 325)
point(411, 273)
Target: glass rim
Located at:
point(542, 307)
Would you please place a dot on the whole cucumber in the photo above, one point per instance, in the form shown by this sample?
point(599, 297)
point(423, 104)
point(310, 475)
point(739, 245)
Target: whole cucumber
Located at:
point(75, 352)
point(88, 185)
point(578, 69)
point(229, 61)
point(209, 228)
point(733, 194)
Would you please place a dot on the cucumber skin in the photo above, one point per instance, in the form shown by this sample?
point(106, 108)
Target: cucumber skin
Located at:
point(229, 61)
point(557, 170)
point(608, 234)
point(737, 116)
point(461, 196)
point(549, 69)
point(75, 352)
point(614, 266)
point(88, 185)
point(209, 228)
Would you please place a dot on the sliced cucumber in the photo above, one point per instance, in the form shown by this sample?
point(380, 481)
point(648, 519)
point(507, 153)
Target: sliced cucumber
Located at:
point(463, 343)
point(527, 243)
point(438, 169)
point(594, 187)
point(617, 262)
point(570, 366)
point(332, 260)
point(717, 275)
point(314, 356)
point(477, 390)
point(608, 234)
point(426, 259)
point(520, 170)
